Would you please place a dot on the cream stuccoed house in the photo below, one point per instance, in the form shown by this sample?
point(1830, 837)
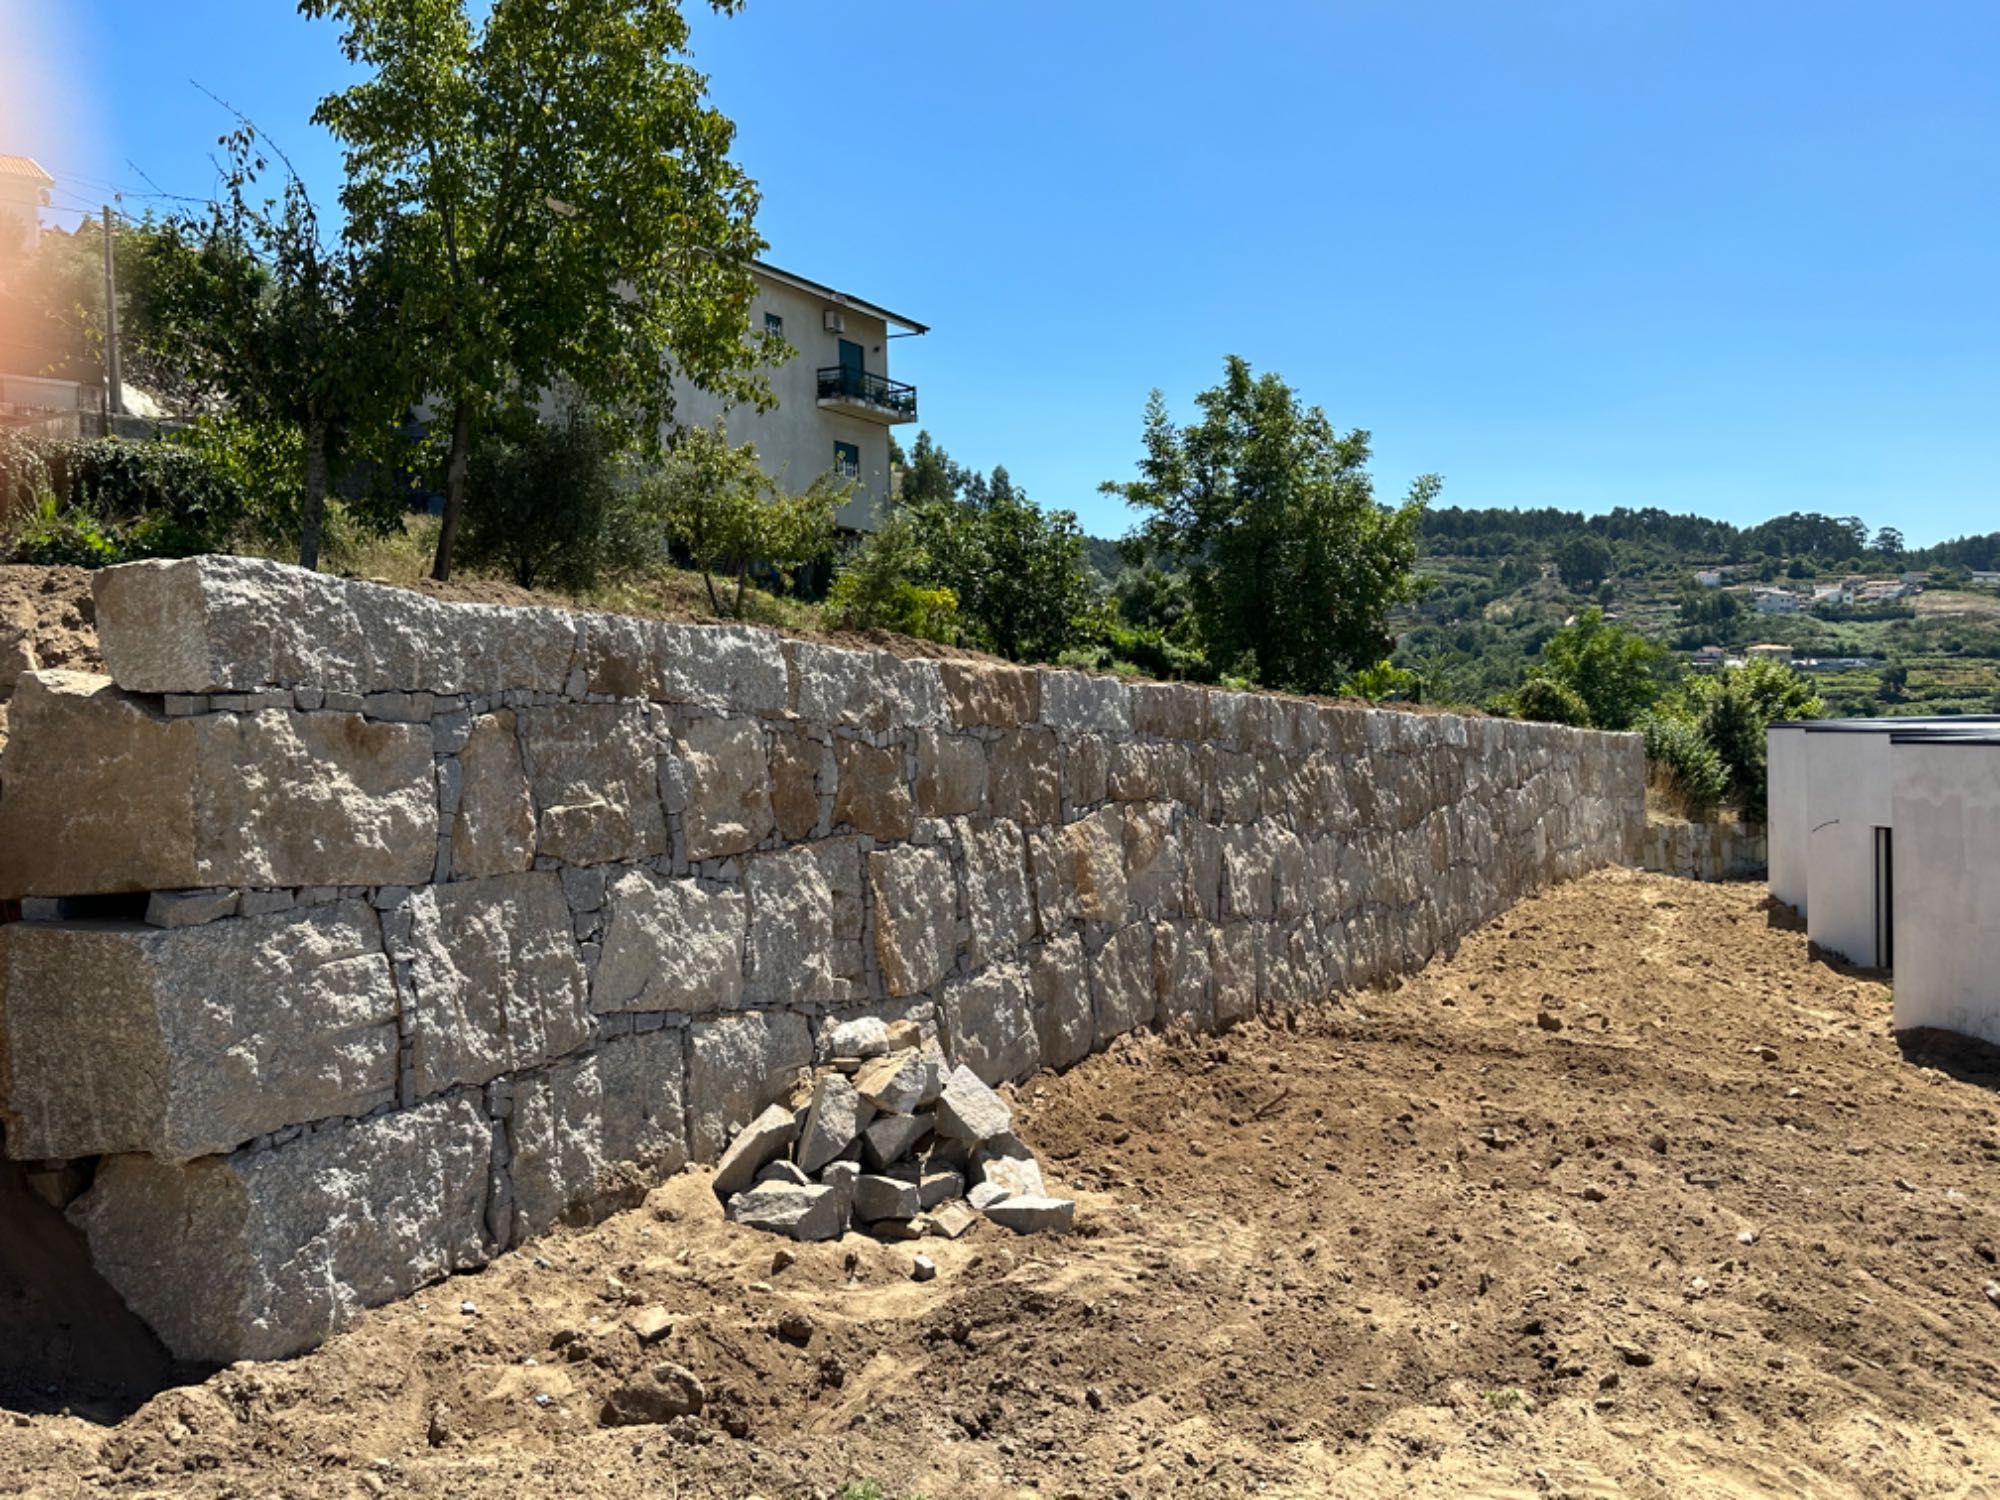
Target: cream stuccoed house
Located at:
point(835, 400)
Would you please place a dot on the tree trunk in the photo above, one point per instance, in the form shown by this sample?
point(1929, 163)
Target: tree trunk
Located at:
point(742, 573)
point(312, 505)
point(454, 487)
point(714, 604)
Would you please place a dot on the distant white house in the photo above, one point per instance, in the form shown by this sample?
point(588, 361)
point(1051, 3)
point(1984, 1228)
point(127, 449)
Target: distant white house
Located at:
point(1777, 602)
point(1829, 593)
point(1709, 578)
point(1769, 651)
point(1988, 579)
point(24, 191)
point(835, 400)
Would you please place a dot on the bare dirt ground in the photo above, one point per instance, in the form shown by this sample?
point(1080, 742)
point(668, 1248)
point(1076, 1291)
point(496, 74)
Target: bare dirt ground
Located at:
point(1632, 1196)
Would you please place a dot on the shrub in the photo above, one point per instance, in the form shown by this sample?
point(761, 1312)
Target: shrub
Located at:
point(1549, 701)
point(115, 499)
point(545, 506)
point(1676, 746)
point(718, 504)
point(1735, 707)
point(876, 588)
point(53, 535)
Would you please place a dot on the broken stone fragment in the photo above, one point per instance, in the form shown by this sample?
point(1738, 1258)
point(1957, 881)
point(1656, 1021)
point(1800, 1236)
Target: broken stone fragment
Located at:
point(880, 1196)
point(801, 1213)
point(784, 1171)
point(663, 1393)
point(971, 1112)
point(895, 1084)
point(889, 1138)
point(1033, 1214)
point(761, 1141)
point(840, 1176)
point(834, 1121)
point(985, 1194)
point(939, 1184)
point(951, 1220)
point(1020, 1176)
point(923, 1268)
point(863, 1037)
point(650, 1324)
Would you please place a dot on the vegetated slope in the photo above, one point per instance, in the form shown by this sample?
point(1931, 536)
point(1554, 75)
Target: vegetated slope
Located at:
point(1632, 1196)
point(1503, 581)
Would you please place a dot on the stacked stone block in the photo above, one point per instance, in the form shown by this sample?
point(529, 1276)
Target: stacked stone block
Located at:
point(527, 907)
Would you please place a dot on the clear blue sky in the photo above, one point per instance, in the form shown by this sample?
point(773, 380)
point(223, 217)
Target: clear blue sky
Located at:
point(1724, 257)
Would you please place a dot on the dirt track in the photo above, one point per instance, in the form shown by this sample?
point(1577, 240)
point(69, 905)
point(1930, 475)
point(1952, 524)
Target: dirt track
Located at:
point(1630, 1197)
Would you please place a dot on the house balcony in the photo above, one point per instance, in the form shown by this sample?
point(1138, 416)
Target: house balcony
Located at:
point(873, 398)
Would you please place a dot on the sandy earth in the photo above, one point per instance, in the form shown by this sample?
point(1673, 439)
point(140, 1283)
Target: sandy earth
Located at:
point(1632, 1196)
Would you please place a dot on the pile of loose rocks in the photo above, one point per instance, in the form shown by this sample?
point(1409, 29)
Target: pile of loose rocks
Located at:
point(889, 1143)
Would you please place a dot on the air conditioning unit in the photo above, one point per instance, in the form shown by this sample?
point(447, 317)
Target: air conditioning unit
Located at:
point(835, 322)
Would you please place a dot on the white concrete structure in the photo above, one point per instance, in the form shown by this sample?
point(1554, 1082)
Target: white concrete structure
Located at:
point(1709, 578)
point(1946, 811)
point(24, 188)
point(1849, 787)
point(835, 401)
point(1830, 789)
point(1785, 813)
point(1777, 602)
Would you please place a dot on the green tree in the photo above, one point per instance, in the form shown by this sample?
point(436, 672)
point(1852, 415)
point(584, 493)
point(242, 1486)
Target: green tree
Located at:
point(1617, 673)
point(550, 198)
point(716, 502)
point(1292, 564)
point(250, 300)
point(1015, 569)
point(877, 588)
point(1735, 707)
point(1895, 680)
point(1584, 561)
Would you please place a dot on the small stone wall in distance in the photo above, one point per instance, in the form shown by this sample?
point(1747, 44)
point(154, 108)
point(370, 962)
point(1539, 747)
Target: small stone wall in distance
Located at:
point(1704, 851)
point(370, 934)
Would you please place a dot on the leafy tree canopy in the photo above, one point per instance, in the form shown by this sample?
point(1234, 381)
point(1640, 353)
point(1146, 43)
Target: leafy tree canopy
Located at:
point(550, 200)
point(1292, 564)
point(1617, 673)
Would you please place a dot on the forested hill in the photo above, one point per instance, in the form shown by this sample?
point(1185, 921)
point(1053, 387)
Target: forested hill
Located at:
point(1695, 540)
point(1502, 581)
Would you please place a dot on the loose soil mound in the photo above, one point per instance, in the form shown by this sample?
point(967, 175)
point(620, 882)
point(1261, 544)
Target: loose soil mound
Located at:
point(1633, 1196)
point(46, 620)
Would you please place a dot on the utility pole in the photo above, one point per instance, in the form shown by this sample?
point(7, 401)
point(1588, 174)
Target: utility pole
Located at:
point(113, 378)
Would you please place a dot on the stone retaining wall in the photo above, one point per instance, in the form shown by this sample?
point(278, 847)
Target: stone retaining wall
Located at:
point(1704, 851)
point(370, 934)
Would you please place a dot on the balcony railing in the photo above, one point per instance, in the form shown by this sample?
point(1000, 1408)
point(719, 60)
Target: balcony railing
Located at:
point(840, 383)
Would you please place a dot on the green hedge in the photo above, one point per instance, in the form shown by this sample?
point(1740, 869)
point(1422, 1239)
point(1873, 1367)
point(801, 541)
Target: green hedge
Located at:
point(107, 500)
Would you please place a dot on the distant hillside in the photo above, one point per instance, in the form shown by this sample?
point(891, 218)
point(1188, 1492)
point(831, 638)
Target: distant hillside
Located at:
point(1502, 581)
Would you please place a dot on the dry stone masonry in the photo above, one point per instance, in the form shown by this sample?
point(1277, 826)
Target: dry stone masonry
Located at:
point(367, 935)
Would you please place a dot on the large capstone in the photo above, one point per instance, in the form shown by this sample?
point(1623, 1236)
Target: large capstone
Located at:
point(219, 623)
